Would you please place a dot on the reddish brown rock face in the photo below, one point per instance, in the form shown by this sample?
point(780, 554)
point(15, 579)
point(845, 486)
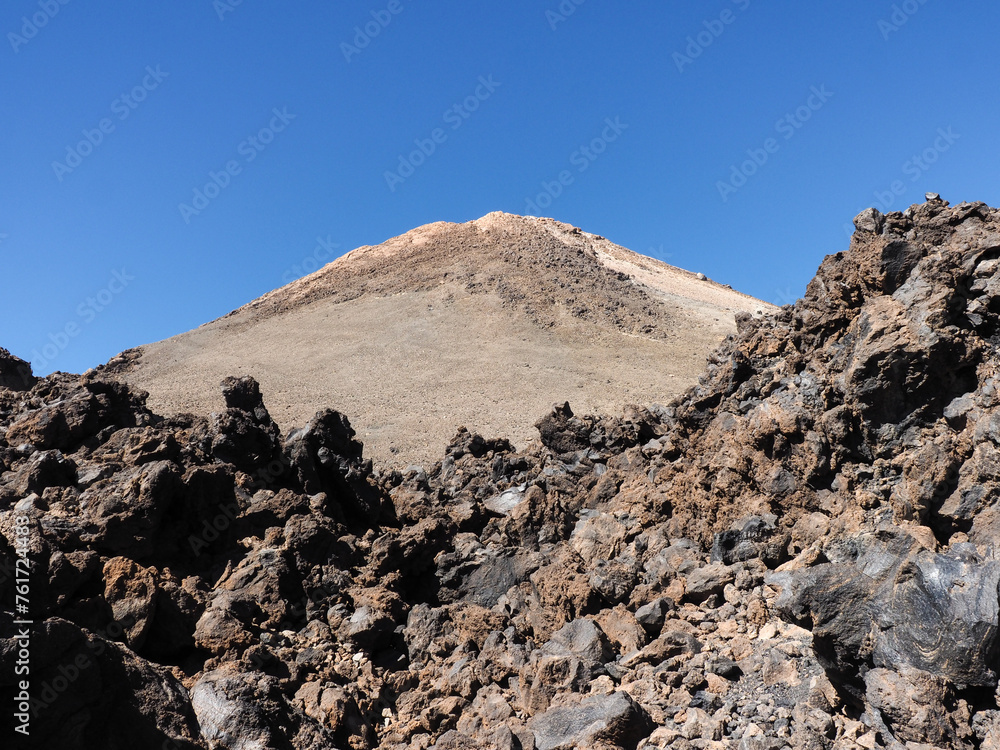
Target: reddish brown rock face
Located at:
point(796, 552)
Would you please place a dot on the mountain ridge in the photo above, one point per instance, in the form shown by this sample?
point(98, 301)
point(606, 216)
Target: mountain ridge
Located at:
point(422, 236)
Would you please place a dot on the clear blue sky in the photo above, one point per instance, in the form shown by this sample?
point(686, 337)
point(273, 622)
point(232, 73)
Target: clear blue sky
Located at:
point(181, 89)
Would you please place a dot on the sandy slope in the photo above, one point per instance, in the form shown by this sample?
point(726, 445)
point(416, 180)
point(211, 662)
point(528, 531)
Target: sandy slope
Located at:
point(484, 324)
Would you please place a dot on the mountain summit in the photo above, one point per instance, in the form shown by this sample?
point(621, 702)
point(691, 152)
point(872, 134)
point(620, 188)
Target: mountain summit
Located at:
point(485, 323)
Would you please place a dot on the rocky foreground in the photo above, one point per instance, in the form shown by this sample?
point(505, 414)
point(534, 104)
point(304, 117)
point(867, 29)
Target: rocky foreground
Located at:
point(799, 552)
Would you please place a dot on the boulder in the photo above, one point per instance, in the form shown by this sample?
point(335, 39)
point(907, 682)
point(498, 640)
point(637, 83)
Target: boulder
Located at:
point(600, 720)
point(124, 514)
point(754, 537)
point(705, 581)
point(563, 432)
point(326, 458)
point(249, 712)
point(886, 600)
point(131, 591)
point(63, 425)
point(15, 373)
point(245, 435)
point(574, 655)
point(45, 469)
point(90, 692)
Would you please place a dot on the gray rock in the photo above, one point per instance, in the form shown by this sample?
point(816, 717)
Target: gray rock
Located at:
point(230, 715)
point(957, 409)
point(652, 615)
point(885, 600)
point(869, 220)
point(567, 663)
point(614, 580)
point(484, 576)
point(583, 639)
point(753, 537)
point(245, 434)
point(368, 628)
point(707, 580)
point(613, 719)
point(506, 501)
point(424, 625)
point(724, 668)
point(598, 537)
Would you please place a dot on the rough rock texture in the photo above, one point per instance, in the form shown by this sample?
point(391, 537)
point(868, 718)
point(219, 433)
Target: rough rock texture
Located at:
point(15, 373)
point(799, 552)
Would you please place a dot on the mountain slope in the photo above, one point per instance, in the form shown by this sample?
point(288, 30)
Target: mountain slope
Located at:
point(485, 324)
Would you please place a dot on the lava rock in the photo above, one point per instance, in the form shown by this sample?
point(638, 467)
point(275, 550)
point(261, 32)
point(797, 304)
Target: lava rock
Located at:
point(563, 432)
point(326, 458)
point(651, 616)
point(704, 581)
point(15, 373)
point(888, 601)
point(94, 693)
point(869, 220)
point(755, 537)
point(45, 469)
point(245, 434)
point(602, 719)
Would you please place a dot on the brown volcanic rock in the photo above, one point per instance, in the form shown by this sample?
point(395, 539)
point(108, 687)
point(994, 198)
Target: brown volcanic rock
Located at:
point(868, 394)
point(485, 324)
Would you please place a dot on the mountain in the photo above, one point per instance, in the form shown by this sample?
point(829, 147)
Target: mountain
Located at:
point(483, 324)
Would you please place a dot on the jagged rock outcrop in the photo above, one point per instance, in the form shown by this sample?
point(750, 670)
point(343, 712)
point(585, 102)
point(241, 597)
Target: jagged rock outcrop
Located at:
point(15, 373)
point(799, 552)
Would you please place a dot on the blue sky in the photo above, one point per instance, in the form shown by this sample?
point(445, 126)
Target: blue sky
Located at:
point(732, 137)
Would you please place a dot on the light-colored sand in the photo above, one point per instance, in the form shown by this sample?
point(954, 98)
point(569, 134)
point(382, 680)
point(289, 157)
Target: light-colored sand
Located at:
point(485, 324)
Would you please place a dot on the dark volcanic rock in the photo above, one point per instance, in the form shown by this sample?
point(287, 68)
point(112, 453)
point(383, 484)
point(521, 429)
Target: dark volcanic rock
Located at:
point(45, 469)
point(91, 692)
point(244, 711)
point(71, 413)
point(614, 720)
point(245, 434)
point(754, 537)
point(326, 458)
point(15, 373)
point(58, 426)
point(562, 431)
point(885, 600)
